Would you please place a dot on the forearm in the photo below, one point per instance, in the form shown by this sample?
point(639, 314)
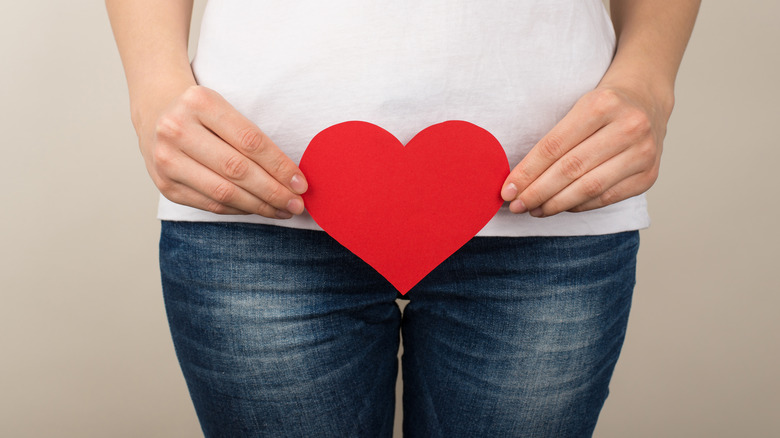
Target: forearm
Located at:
point(651, 38)
point(152, 38)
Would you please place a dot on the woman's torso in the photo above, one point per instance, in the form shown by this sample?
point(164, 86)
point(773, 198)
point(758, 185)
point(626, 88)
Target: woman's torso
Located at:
point(512, 67)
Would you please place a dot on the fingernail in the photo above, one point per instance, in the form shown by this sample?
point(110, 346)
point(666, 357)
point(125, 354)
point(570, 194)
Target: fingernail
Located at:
point(510, 192)
point(537, 212)
point(283, 214)
point(517, 206)
point(298, 184)
point(295, 206)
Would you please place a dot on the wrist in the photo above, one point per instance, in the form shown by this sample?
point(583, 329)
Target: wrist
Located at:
point(651, 86)
point(150, 98)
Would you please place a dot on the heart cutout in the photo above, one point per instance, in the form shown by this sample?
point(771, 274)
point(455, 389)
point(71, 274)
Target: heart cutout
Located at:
point(403, 210)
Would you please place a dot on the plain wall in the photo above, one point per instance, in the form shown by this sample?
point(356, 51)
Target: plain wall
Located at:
point(84, 344)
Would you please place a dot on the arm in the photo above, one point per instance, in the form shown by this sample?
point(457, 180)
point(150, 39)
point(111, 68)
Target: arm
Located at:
point(608, 147)
point(198, 149)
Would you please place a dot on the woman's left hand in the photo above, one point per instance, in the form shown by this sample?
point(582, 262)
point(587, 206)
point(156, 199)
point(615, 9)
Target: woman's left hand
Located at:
point(605, 150)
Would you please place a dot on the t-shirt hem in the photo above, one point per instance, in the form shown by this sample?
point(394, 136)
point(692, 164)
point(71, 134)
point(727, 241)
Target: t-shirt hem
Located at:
point(628, 215)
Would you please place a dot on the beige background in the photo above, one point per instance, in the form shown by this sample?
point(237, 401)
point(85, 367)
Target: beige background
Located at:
point(84, 344)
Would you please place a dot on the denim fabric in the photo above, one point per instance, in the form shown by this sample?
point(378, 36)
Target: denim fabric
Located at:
point(282, 332)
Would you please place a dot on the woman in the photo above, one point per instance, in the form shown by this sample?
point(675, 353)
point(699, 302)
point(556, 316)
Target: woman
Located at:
point(282, 332)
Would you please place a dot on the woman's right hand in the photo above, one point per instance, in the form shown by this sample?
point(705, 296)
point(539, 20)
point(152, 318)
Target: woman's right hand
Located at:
point(201, 152)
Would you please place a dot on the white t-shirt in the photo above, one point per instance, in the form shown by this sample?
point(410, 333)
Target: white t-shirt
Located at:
point(513, 67)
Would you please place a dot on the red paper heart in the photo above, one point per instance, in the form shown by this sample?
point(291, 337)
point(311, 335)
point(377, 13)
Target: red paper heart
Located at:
point(403, 210)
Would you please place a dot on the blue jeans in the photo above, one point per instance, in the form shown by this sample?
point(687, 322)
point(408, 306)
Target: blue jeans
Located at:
point(284, 333)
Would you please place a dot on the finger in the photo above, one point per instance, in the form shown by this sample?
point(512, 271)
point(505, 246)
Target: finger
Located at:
point(226, 161)
point(594, 185)
point(592, 152)
point(628, 188)
point(181, 194)
point(190, 173)
point(247, 138)
point(579, 124)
